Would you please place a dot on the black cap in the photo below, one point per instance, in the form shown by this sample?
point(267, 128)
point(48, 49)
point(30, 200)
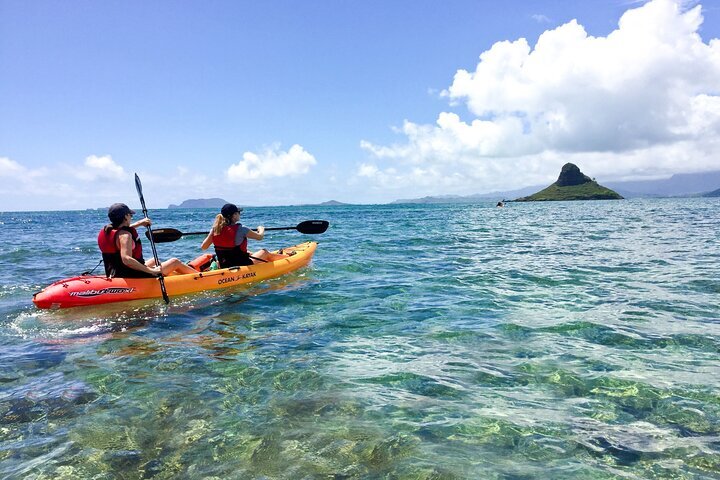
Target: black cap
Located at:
point(117, 212)
point(229, 209)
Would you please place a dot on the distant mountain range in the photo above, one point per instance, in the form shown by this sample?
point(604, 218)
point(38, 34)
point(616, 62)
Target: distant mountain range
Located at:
point(201, 203)
point(329, 203)
point(679, 185)
point(478, 197)
point(219, 202)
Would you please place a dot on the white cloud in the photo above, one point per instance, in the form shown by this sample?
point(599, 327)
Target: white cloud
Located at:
point(540, 18)
point(100, 168)
point(99, 181)
point(271, 163)
point(25, 188)
point(62, 185)
point(367, 170)
point(10, 168)
point(641, 101)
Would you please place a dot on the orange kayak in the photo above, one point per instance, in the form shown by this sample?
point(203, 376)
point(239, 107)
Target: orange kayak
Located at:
point(96, 289)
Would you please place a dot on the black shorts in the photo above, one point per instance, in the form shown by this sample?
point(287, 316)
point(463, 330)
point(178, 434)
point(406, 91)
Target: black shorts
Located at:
point(130, 273)
point(233, 259)
point(127, 272)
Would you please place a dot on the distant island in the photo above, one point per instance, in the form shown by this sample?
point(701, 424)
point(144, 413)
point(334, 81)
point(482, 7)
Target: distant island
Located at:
point(572, 184)
point(329, 203)
point(441, 199)
point(201, 203)
point(475, 198)
point(714, 193)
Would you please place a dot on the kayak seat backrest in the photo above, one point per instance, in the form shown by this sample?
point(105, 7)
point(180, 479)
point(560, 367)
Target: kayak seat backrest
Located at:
point(202, 263)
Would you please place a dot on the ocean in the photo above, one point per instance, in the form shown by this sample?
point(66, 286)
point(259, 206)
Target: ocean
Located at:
point(541, 340)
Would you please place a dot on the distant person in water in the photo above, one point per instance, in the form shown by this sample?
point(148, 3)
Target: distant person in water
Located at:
point(230, 239)
point(500, 204)
point(121, 248)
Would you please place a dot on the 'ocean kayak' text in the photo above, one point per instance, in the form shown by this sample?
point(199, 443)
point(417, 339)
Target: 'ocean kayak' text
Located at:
point(235, 279)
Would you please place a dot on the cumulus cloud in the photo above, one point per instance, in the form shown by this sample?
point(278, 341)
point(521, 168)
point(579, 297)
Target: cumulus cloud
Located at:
point(270, 163)
point(17, 172)
point(540, 18)
point(185, 181)
point(10, 168)
point(100, 168)
point(62, 185)
point(642, 100)
point(21, 186)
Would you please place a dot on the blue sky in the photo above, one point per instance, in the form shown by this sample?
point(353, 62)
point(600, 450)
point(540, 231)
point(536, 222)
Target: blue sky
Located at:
point(289, 102)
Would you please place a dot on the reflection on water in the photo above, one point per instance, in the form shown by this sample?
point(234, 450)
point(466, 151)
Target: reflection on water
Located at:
point(568, 340)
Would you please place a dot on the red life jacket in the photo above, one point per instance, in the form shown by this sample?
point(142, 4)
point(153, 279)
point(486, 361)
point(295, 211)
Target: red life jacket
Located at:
point(229, 254)
point(114, 266)
point(226, 239)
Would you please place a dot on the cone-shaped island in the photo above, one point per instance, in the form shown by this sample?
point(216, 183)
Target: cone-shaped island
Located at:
point(572, 184)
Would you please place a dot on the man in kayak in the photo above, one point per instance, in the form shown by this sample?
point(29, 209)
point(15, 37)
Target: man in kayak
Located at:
point(230, 239)
point(121, 248)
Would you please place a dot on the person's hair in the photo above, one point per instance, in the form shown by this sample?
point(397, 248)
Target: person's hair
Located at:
point(219, 223)
point(110, 226)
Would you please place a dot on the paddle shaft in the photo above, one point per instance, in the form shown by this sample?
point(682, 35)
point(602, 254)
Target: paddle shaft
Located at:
point(152, 242)
point(184, 234)
point(281, 228)
point(164, 235)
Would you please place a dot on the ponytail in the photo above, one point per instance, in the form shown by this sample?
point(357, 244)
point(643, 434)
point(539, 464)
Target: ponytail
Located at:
point(219, 223)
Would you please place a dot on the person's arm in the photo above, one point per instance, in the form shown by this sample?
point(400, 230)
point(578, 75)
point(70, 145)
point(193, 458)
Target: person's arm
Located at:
point(126, 247)
point(207, 242)
point(259, 235)
point(144, 222)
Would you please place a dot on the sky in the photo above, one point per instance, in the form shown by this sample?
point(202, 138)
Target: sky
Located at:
point(292, 102)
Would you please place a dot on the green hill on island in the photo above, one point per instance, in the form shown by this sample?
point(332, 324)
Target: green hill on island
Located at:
point(572, 184)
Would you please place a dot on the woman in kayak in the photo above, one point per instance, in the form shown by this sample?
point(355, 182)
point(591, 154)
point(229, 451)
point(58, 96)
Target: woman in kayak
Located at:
point(230, 239)
point(122, 250)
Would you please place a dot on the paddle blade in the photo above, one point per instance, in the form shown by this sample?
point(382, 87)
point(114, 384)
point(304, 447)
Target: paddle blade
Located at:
point(313, 226)
point(164, 235)
point(138, 185)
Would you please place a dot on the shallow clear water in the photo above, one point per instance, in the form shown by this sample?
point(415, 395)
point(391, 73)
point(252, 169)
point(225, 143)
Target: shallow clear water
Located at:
point(558, 340)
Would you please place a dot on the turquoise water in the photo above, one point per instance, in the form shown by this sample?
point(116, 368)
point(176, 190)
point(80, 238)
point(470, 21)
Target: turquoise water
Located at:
point(558, 340)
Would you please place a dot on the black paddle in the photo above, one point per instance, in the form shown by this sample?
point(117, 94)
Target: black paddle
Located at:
point(165, 235)
point(138, 185)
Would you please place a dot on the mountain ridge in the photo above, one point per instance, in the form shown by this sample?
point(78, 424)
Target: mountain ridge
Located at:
point(677, 185)
point(201, 203)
